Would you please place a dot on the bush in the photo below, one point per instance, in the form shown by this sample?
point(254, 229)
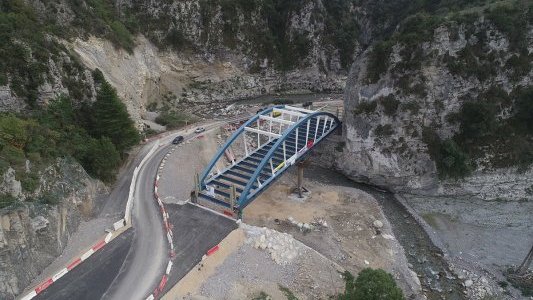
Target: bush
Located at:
point(121, 36)
point(450, 160)
point(370, 285)
point(6, 200)
point(477, 119)
point(103, 160)
point(172, 120)
point(49, 198)
point(384, 130)
point(341, 29)
point(411, 106)
point(524, 111)
point(378, 61)
point(111, 119)
point(280, 101)
point(390, 104)
point(30, 182)
point(366, 107)
point(511, 19)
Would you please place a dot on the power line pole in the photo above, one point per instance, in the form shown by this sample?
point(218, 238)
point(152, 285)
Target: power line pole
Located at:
point(522, 269)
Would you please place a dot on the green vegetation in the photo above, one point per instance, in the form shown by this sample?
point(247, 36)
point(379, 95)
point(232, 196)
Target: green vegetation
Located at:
point(370, 285)
point(451, 162)
point(390, 104)
point(341, 29)
point(509, 17)
point(111, 119)
point(411, 106)
point(482, 130)
point(280, 101)
point(100, 18)
point(287, 293)
point(271, 39)
point(173, 120)
point(378, 61)
point(262, 296)
point(7, 200)
point(384, 130)
point(94, 135)
point(366, 107)
point(512, 19)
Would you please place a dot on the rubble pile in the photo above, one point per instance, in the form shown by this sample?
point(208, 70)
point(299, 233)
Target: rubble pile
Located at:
point(306, 227)
point(282, 247)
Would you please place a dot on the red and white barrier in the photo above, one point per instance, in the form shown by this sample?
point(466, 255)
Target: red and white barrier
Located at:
point(213, 250)
point(168, 228)
point(45, 284)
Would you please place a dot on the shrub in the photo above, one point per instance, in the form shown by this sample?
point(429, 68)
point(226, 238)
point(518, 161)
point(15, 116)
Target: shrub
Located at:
point(390, 104)
point(378, 61)
point(172, 119)
point(524, 110)
point(49, 198)
point(519, 65)
point(341, 29)
point(366, 107)
point(29, 182)
point(370, 285)
point(384, 130)
point(13, 155)
point(103, 160)
point(6, 200)
point(450, 160)
point(411, 106)
point(280, 101)
point(476, 120)
point(511, 19)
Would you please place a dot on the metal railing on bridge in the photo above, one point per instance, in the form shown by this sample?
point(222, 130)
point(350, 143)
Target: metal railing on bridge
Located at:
point(270, 142)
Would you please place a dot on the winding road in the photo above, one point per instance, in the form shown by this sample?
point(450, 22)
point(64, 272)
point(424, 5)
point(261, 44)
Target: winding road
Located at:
point(131, 266)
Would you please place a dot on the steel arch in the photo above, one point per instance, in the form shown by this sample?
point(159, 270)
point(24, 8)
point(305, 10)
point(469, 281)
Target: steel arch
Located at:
point(230, 141)
point(233, 188)
point(246, 197)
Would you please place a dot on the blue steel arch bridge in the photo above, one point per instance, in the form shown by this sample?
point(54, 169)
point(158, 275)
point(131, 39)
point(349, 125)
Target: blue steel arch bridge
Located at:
point(269, 142)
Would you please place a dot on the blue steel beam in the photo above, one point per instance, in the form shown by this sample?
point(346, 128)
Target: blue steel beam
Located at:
point(229, 142)
point(245, 197)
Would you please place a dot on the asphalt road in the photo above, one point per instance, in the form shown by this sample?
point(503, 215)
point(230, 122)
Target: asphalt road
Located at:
point(92, 278)
point(131, 266)
point(196, 230)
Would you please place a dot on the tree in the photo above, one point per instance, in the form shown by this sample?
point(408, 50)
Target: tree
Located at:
point(524, 110)
point(111, 119)
point(103, 159)
point(371, 285)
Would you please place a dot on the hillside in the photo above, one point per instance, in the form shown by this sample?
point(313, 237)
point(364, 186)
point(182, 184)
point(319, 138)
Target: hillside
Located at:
point(447, 96)
point(438, 95)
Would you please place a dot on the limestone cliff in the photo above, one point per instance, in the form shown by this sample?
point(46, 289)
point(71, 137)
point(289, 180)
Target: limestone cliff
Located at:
point(34, 233)
point(440, 100)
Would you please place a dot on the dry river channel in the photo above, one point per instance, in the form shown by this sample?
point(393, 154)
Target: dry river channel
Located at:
point(427, 260)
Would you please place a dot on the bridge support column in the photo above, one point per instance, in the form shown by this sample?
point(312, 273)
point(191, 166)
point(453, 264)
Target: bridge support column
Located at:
point(194, 194)
point(300, 189)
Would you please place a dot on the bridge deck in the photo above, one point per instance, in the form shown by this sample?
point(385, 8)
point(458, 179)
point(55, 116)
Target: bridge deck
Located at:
point(284, 134)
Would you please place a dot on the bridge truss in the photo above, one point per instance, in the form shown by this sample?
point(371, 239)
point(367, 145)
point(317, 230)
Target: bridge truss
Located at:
point(268, 144)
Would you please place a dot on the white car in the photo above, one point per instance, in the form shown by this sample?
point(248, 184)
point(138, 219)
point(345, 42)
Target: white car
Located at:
point(199, 129)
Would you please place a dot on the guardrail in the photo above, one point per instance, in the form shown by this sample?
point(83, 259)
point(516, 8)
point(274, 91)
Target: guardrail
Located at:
point(129, 204)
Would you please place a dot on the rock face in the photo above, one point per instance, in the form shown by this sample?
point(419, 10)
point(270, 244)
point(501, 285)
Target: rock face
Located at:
point(33, 234)
point(383, 132)
point(148, 75)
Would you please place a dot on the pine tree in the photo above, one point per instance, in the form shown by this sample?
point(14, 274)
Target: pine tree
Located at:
point(111, 119)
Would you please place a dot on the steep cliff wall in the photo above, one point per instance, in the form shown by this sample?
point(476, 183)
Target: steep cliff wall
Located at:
point(442, 99)
point(148, 75)
point(34, 233)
